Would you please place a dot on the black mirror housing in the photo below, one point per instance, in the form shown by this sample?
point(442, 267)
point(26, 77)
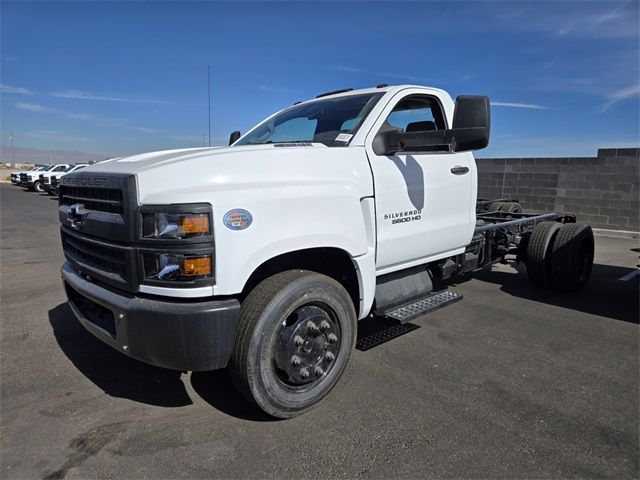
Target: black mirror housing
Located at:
point(471, 123)
point(234, 137)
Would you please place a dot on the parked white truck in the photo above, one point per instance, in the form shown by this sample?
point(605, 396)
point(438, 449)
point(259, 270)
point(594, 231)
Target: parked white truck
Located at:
point(33, 180)
point(46, 178)
point(15, 176)
point(264, 255)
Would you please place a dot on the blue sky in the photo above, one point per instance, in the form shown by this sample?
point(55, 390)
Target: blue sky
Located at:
point(120, 78)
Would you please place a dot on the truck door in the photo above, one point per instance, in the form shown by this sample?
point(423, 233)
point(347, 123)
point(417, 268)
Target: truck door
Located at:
point(425, 201)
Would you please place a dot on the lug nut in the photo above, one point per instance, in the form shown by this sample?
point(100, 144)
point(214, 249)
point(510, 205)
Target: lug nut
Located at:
point(318, 371)
point(333, 338)
point(298, 340)
point(312, 327)
point(329, 356)
point(324, 325)
point(295, 360)
point(304, 373)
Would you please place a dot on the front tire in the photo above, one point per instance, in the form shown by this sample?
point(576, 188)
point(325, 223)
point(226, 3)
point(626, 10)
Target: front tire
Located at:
point(37, 187)
point(296, 333)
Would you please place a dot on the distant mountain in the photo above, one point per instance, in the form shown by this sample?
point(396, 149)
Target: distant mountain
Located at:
point(35, 155)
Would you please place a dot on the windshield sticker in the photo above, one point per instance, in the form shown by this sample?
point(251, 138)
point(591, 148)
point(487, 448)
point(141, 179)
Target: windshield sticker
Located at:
point(237, 219)
point(295, 144)
point(344, 137)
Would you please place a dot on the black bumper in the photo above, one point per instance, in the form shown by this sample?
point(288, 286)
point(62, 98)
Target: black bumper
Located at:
point(181, 335)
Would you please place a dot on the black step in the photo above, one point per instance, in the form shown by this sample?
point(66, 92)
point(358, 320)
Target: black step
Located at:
point(368, 340)
point(428, 304)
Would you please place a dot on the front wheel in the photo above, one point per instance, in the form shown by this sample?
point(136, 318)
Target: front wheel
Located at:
point(37, 186)
point(296, 333)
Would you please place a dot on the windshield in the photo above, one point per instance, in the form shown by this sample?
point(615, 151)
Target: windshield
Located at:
point(330, 121)
point(47, 168)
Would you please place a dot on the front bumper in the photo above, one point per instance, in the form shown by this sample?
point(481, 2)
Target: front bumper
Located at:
point(181, 335)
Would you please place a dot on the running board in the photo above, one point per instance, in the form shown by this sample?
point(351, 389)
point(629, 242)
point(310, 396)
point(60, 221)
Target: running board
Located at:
point(431, 303)
point(370, 339)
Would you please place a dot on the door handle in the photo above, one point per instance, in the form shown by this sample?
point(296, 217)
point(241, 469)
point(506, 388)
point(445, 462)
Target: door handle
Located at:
point(459, 170)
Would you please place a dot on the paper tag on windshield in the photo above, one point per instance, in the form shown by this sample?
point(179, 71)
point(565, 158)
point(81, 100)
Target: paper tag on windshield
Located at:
point(344, 137)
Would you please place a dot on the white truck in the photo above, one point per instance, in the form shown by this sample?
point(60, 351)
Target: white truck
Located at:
point(263, 256)
point(15, 176)
point(33, 180)
point(47, 179)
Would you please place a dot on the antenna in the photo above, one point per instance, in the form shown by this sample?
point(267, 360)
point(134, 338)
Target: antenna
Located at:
point(209, 98)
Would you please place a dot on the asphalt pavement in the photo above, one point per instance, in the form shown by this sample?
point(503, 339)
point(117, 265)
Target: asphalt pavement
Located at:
point(511, 382)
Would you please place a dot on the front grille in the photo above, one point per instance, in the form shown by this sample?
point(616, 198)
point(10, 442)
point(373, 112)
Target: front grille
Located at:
point(97, 255)
point(23, 177)
point(100, 199)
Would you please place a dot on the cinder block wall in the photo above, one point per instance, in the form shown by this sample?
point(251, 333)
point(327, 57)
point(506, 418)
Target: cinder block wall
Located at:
point(602, 191)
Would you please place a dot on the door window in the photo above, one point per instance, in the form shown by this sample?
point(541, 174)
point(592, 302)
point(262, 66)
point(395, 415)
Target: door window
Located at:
point(415, 113)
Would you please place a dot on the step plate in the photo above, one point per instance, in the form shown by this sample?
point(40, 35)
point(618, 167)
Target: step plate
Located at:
point(381, 336)
point(421, 307)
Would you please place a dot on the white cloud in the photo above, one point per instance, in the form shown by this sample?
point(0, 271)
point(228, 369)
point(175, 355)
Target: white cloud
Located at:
point(274, 89)
point(401, 76)
point(622, 94)
point(344, 68)
point(145, 129)
point(532, 106)
point(82, 95)
point(36, 107)
point(12, 89)
point(55, 135)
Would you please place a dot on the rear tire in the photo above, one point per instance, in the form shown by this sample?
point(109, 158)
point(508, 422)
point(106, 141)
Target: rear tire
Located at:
point(495, 206)
point(511, 207)
point(539, 252)
point(296, 333)
point(572, 259)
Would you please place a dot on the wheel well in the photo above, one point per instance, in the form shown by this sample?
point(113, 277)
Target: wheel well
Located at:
point(332, 262)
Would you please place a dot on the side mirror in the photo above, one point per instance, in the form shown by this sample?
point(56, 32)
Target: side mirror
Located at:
point(234, 137)
point(470, 131)
point(471, 123)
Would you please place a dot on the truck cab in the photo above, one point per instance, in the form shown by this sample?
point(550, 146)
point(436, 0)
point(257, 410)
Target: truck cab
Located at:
point(262, 256)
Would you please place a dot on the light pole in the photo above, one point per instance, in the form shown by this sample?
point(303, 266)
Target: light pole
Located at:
point(13, 153)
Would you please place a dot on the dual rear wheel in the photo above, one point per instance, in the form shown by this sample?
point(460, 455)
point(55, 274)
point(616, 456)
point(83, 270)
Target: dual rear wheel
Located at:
point(560, 255)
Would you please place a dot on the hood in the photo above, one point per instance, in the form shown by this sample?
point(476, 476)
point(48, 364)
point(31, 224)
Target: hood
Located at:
point(195, 173)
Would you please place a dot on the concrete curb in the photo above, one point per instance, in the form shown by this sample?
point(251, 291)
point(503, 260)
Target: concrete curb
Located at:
point(602, 232)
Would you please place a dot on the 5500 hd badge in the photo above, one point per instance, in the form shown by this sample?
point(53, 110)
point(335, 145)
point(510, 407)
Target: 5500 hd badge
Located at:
point(402, 217)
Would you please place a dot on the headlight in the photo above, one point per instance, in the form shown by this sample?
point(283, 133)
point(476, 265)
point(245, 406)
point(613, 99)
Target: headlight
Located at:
point(176, 245)
point(169, 266)
point(175, 225)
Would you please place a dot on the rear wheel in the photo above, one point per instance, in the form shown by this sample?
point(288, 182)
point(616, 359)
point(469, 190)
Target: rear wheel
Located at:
point(296, 333)
point(539, 252)
point(511, 207)
point(495, 206)
point(572, 258)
